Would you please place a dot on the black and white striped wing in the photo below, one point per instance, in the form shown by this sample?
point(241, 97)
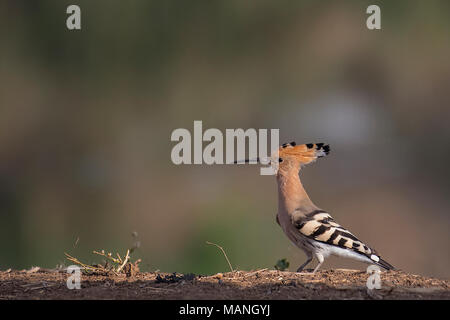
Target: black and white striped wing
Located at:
point(320, 226)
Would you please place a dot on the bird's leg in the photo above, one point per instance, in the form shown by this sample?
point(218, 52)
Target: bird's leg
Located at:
point(310, 257)
point(321, 259)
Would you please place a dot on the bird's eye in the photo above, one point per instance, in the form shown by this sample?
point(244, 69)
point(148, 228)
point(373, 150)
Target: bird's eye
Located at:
point(280, 159)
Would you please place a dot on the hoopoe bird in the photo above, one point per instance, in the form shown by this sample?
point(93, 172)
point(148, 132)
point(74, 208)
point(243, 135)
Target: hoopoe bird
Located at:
point(310, 228)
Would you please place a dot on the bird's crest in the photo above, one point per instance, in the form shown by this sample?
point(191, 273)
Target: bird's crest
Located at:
point(304, 153)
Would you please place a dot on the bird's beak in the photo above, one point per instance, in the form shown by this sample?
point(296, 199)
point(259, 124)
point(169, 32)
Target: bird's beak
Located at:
point(253, 161)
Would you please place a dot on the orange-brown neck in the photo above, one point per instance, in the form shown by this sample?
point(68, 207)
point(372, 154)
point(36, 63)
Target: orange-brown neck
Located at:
point(291, 194)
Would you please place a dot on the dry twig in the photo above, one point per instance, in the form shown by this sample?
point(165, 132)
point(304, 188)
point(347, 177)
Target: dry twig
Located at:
point(223, 251)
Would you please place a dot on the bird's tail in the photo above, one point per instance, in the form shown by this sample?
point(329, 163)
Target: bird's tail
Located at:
point(305, 153)
point(384, 264)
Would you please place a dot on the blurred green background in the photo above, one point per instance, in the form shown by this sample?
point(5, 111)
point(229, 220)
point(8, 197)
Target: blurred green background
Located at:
point(86, 118)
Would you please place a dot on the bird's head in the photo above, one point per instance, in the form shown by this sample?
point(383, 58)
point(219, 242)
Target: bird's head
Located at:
point(297, 156)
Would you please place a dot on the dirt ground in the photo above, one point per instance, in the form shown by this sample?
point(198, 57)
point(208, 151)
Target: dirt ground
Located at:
point(260, 284)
